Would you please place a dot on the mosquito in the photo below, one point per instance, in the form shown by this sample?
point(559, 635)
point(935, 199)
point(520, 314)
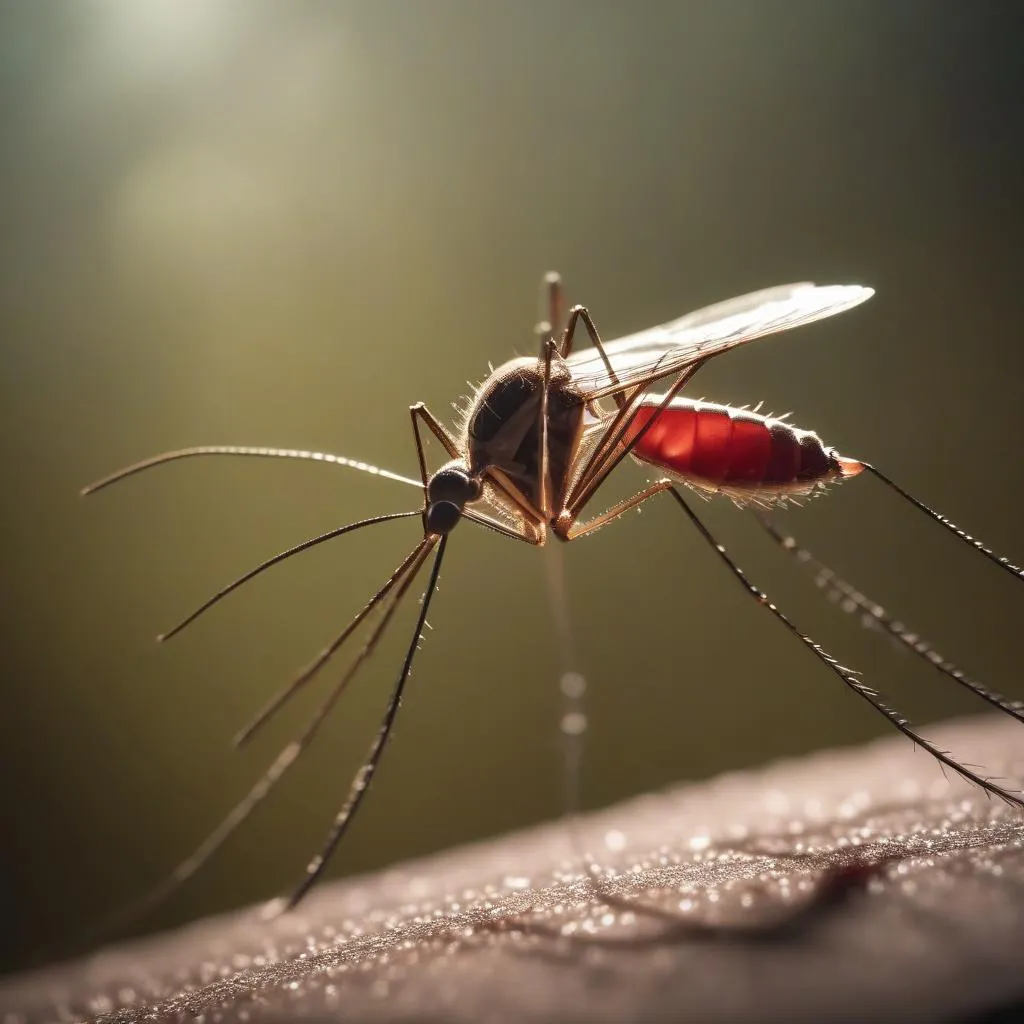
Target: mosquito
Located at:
point(534, 446)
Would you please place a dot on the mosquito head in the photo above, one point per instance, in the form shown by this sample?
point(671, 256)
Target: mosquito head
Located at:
point(449, 490)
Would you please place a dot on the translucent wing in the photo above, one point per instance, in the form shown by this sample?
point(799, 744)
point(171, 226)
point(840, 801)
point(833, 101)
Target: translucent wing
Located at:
point(659, 351)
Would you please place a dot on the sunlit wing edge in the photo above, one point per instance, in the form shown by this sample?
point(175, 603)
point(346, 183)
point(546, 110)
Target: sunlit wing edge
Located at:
point(668, 348)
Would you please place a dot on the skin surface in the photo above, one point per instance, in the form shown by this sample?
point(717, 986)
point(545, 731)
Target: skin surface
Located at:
point(850, 885)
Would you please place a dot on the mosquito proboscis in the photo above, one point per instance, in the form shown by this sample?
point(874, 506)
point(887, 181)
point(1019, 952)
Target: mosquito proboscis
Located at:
point(534, 446)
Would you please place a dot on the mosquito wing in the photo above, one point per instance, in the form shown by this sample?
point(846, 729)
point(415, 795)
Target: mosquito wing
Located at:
point(639, 359)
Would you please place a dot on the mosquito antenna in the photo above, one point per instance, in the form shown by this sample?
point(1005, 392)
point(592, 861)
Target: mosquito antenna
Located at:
point(846, 675)
point(854, 600)
point(280, 557)
point(364, 777)
point(296, 684)
point(231, 449)
point(1003, 563)
point(284, 760)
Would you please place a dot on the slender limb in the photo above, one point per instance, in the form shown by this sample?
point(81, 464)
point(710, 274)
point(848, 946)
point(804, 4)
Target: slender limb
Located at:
point(576, 314)
point(846, 675)
point(421, 455)
point(575, 530)
point(640, 383)
point(614, 448)
point(595, 470)
point(280, 557)
point(497, 479)
point(624, 403)
point(296, 684)
point(227, 449)
point(611, 451)
point(420, 412)
point(598, 467)
point(1003, 563)
point(546, 349)
point(600, 454)
point(499, 527)
point(875, 614)
point(287, 757)
point(364, 777)
point(556, 303)
point(614, 389)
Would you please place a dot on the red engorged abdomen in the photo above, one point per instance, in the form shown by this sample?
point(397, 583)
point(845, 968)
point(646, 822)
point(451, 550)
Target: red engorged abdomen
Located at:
point(726, 446)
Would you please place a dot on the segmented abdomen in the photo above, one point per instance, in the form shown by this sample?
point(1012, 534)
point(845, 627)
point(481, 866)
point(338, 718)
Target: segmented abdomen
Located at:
point(728, 447)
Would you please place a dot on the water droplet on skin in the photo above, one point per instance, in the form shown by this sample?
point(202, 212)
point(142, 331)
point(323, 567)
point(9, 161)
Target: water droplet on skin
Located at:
point(614, 840)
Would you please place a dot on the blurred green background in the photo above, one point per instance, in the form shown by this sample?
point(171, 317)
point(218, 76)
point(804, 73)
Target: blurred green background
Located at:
point(283, 223)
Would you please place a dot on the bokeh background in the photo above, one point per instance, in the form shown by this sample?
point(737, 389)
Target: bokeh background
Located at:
point(283, 223)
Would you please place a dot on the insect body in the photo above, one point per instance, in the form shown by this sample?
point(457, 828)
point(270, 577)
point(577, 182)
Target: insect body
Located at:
point(734, 451)
point(539, 438)
point(505, 436)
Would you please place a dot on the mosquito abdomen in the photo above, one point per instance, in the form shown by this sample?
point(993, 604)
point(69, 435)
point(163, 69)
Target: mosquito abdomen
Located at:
point(728, 447)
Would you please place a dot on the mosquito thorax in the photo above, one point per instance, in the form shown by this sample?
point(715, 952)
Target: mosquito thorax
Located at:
point(449, 490)
point(503, 421)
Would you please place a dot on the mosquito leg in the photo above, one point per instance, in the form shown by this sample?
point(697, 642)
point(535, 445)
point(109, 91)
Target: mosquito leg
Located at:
point(231, 449)
point(555, 303)
point(416, 412)
point(846, 675)
point(611, 451)
point(289, 754)
point(600, 454)
point(611, 457)
point(491, 523)
point(547, 347)
point(568, 529)
point(576, 314)
point(421, 455)
point(873, 613)
point(497, 479)
point(624, 402)
point(364, 777)
point(582, 313)
point(420, 412)
point(245, 807)
point(598, 466)
point(1003, 563)
point(296, 684)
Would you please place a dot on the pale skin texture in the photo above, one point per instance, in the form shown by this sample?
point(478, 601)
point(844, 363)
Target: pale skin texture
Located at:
point(924, 922)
